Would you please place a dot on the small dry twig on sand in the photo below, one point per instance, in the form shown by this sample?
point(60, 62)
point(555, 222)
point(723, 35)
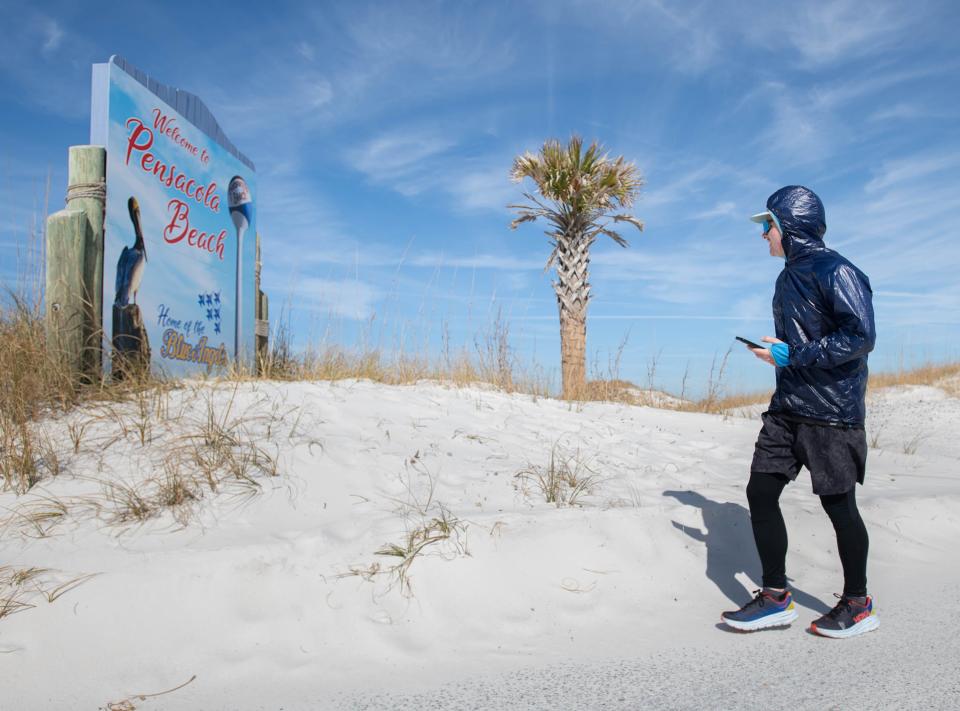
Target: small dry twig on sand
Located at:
point(128, 705)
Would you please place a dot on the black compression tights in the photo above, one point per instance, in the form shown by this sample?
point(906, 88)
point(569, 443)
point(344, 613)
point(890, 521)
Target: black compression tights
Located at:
point(770, 532)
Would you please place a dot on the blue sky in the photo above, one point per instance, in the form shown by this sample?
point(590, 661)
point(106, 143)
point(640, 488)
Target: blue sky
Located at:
point(383, 134)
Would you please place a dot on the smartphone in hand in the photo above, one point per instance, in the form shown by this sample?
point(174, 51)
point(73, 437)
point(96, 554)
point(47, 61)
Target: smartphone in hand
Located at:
point(749, 343)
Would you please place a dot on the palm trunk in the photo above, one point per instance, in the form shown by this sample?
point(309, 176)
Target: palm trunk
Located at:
point(573, 294)
point(573, 349)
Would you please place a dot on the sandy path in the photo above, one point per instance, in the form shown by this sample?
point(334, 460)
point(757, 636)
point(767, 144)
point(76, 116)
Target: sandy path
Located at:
point(612, 604)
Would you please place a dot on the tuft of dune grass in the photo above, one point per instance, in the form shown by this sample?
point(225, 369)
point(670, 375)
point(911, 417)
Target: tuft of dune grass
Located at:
point(490, 362)
point(942, 375)
point(945, 376)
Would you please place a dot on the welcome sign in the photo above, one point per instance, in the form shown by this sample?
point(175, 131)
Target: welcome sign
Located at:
point(179, 228)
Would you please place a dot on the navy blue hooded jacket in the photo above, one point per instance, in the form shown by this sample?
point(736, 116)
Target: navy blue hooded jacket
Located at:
point(822, 308)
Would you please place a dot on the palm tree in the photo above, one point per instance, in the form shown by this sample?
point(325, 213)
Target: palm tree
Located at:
point(581, 193)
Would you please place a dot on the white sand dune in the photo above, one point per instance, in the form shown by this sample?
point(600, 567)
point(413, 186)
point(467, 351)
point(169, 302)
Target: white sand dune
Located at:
point(612, 603)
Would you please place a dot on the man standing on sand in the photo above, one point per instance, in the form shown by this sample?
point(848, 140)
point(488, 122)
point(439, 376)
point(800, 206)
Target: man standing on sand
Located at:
point(823, 316)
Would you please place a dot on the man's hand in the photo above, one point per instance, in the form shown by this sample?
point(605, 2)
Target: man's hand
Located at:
point(764, 353)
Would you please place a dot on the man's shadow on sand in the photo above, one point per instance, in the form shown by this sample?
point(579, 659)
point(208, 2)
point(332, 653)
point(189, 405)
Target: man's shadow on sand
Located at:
point(731, 550)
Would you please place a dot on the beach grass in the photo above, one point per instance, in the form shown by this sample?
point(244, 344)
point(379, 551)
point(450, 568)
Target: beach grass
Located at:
point(36, 384)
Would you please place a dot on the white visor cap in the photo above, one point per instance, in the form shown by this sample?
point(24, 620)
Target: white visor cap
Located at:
point(767, 215)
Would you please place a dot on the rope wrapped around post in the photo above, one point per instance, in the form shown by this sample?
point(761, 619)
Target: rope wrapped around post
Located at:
point(93, 191)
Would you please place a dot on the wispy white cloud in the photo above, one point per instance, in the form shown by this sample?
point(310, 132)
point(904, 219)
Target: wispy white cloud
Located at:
point(678, 187)
point(299, 99)
point(673, 316)
point(725, 208)
point(469, 39)
point(905, 113)
point(899, 217)
point(828, 32)
point(400, 158)
point(306, 50)
point(52, 36)
point(33, 59)
point(937, 305)
point(347, 298)
point(316, 92)
point(434, 158)
point(797, 133)
point(702, 44)
point(909, 170)
point(482, 188)
point(826, 96)
point(686, 274)
point(692, 38)
point(894, 231)
point(686, 37)
point(755, 306)
point(810, 120)
point(478, 261)
point(902, 110)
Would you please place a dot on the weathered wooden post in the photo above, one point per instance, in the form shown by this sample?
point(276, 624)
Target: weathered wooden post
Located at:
point(74, 279)
point(86, 191)
point(65, 322)
point(262, 328)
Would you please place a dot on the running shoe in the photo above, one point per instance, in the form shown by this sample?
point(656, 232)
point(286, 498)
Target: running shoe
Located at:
point(848, 619)
point(765, 610)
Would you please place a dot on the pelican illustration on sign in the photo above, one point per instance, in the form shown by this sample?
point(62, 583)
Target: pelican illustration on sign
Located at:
point(132, 260)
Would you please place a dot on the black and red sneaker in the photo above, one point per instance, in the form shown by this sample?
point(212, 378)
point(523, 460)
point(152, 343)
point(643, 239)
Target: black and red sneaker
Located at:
point(847, 619)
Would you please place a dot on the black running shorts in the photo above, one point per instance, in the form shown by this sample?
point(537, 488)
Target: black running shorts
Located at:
point(836, 457)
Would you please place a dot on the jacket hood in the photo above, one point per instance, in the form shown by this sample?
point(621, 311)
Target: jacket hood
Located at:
point(803, 220)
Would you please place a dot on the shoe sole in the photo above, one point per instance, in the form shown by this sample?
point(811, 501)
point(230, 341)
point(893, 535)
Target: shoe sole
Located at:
point(778, 619)
point(863, 626)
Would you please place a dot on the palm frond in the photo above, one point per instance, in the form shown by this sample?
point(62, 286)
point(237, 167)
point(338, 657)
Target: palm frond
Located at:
point(615, 236)
point(583, 180)
point(579, 191)
point(524, 217)
point(628, 218)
